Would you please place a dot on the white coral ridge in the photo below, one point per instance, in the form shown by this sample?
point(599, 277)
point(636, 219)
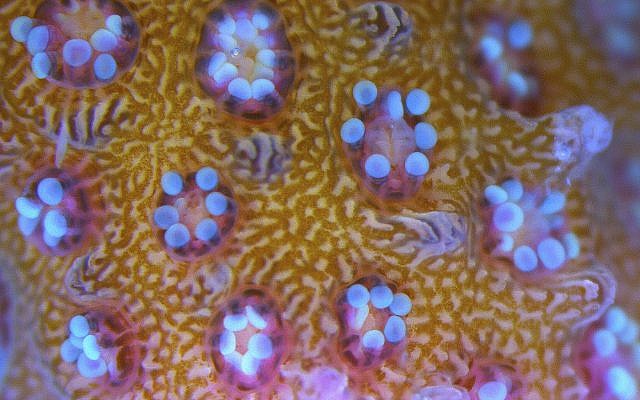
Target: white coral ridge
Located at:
point(83, 349)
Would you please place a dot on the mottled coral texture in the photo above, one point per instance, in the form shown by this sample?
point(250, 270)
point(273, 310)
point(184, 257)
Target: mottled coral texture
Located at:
point(307, 226)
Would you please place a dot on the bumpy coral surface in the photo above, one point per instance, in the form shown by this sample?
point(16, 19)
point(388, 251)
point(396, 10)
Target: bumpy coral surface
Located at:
point(318, 200)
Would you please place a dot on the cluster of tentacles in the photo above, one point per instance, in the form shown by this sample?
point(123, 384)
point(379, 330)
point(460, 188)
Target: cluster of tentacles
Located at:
point(319, 200)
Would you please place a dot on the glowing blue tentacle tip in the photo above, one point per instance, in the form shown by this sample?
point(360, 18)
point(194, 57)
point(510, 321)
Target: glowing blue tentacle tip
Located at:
point(260, 21)
point(171, 183)
point(621, 383)
point(357, 295)
point(207, 178)
point(553, 203)
point(235, 322)
point(381, 296)
point(27, 208)
point(104, 40)
point(394, 105)
point(373, 340)
point(352, 131)
point(506, 243)
point(571, 245)
point(240, 88)
point(365, 92)
point(495, 194)
point(520, 35)
point(245, 30)
point(41, 65)
point(493, 390)
point(165, 216)
point(255, 318)
point(79, 326)
point(261, 88)
point(260, 346)
point(37, 39)
point(177, 236)
point(266, 57)
point(416, 164)
point(426, 136)
point(508, 217)
point(216, 62)
point(91, 369)
point(90, 347)
point(418, 102)
point(616, 320)
point(525, 259)
point(227, 342)
point(55, 224)
point(518, 84)
point(630, 333)
point(605, 343)
point(490, 48)
point(105, 67)
point(27, 225)
point(514, 189)
point(249, 364)
point(206, 229)
point(50, 191)
point(401, 304)
point(551, 253)
point(49, 240)
point(20, 28)
point(69, 352)
point(395, 329)
point(114, 24)
point(76, 52)
point(377, 166)
point(216, 203)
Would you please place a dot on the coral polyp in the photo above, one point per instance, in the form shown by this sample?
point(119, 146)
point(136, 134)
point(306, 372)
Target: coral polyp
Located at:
point(247, 340)
point(56, 212)
point(245, 60)
point(79, 43)
point(386, 146)
point(372, 315)
point(195, 215)
point(293, 199)
point(528, 228)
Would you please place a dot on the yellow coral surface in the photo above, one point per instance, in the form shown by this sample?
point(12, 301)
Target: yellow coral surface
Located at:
point(307, 233)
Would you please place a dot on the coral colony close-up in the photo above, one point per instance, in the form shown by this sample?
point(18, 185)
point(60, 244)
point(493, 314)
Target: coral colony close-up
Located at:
point(340, 199)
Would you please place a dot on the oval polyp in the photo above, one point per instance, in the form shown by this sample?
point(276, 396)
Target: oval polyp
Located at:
point(245, 61)
point(86, 44)
point(246, 355)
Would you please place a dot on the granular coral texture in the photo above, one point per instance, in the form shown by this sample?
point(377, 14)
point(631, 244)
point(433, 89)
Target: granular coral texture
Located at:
point(307, 235)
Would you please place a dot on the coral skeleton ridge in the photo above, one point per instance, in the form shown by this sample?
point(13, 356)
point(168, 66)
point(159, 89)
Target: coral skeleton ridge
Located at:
point(292, 199)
